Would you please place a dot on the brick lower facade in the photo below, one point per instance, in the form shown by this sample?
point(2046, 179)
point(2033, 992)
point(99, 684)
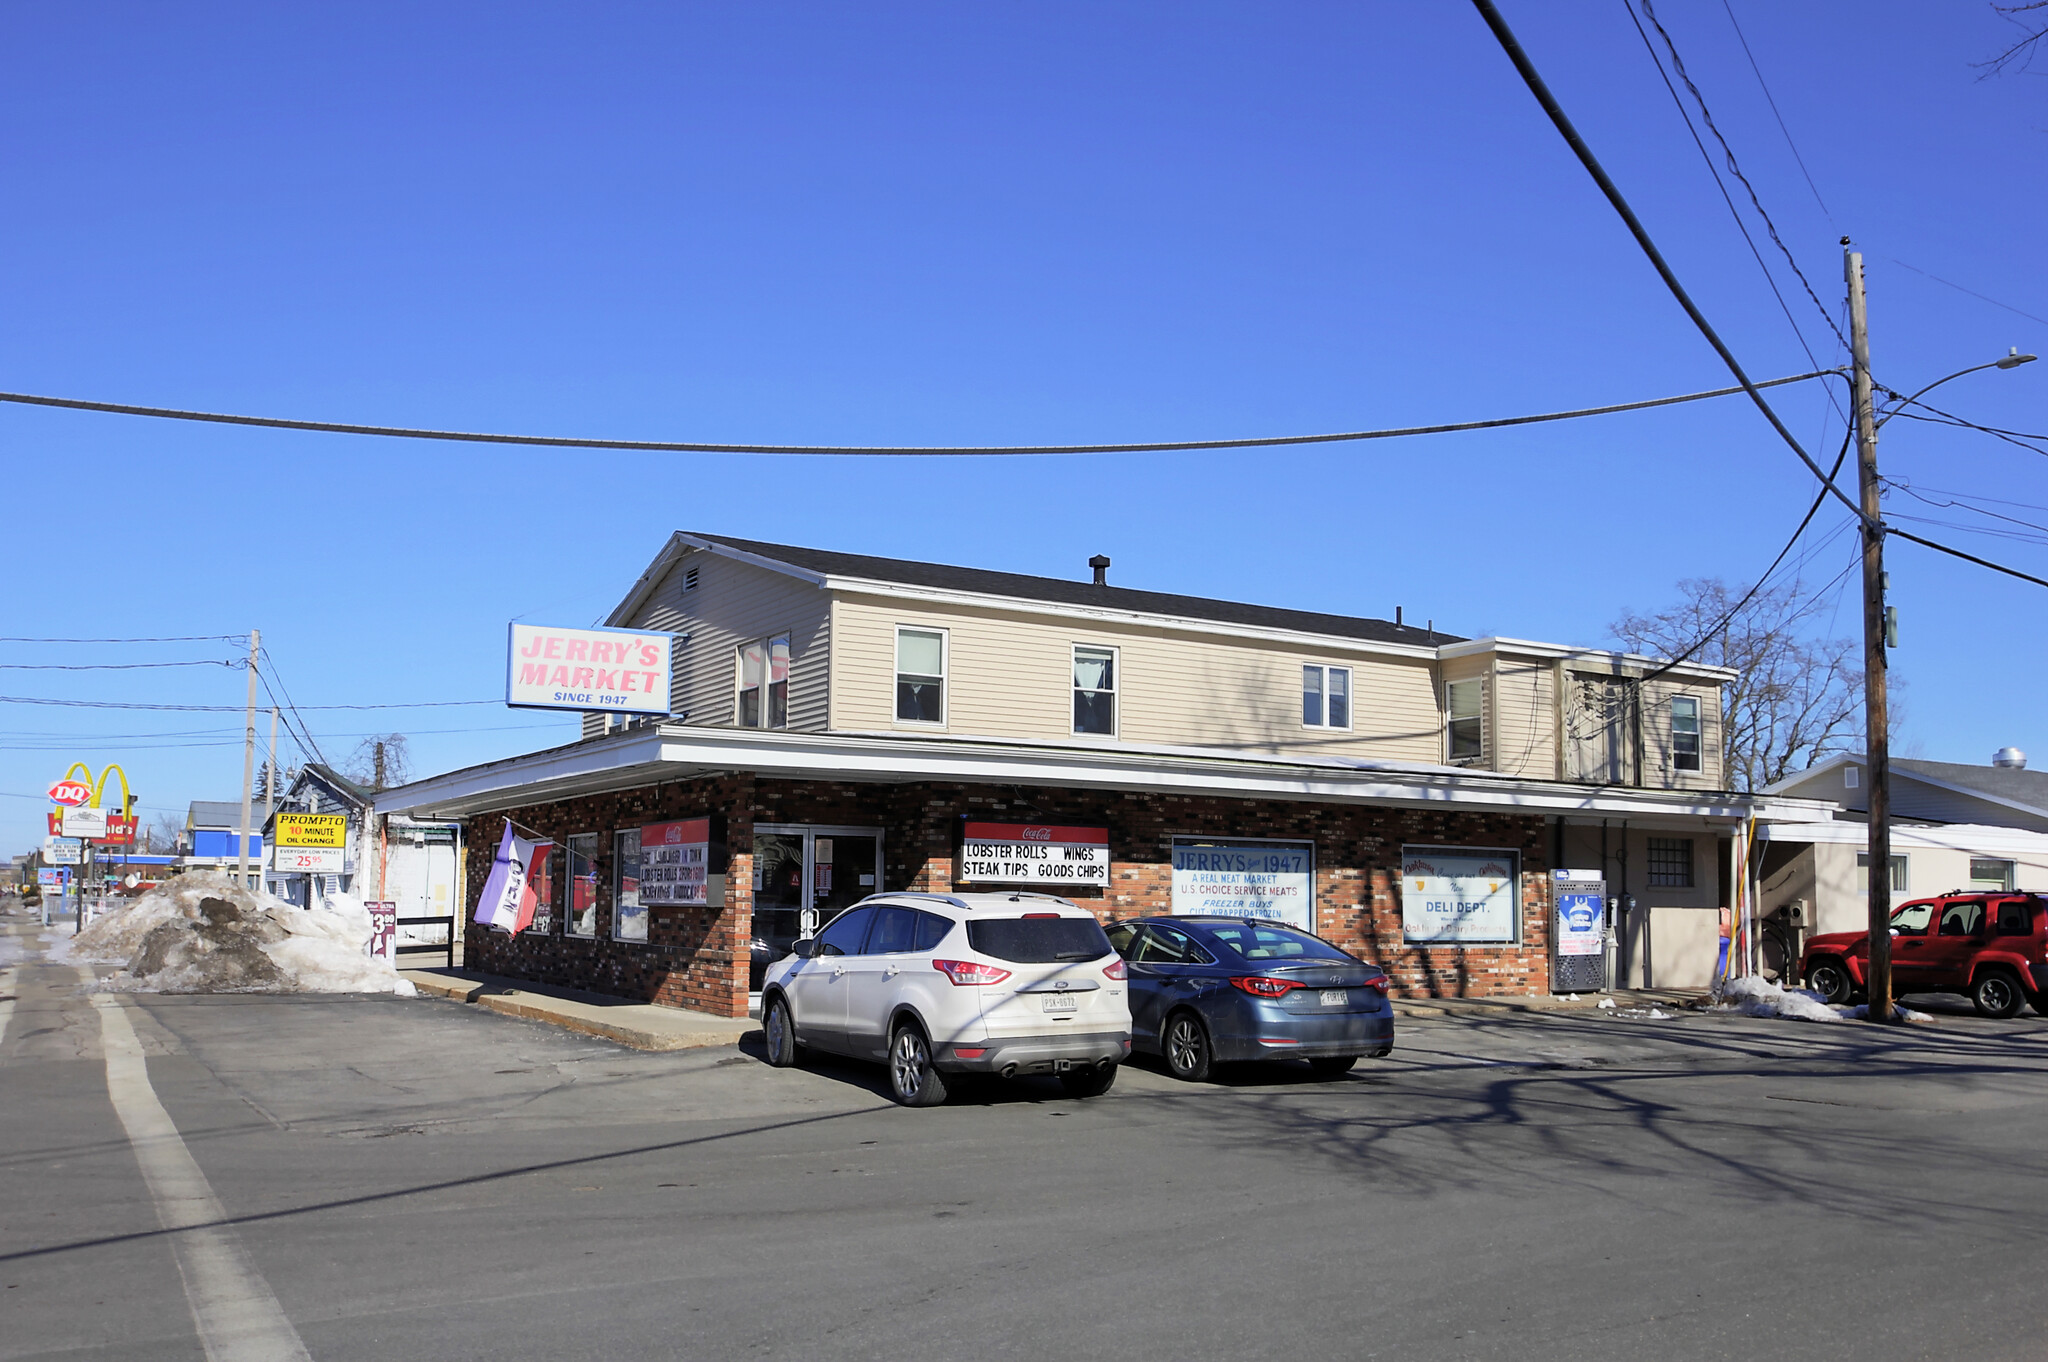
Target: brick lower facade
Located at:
point(698, 958)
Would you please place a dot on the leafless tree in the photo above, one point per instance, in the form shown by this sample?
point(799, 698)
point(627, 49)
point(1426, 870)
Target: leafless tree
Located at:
point(1796, 697)
point(160, 838)
point(381, 762)
point(2032, 22)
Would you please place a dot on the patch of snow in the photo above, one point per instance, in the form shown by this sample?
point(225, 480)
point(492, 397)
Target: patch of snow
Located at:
point(1753, 997)
point(1861, 1012)
point(1607, 1002)
point(207, 934)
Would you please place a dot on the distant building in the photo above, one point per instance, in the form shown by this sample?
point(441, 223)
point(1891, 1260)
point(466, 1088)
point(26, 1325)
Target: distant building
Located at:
point(212, 836)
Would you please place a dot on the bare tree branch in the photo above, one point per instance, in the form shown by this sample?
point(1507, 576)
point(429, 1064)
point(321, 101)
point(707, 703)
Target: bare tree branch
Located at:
point(2021, 54)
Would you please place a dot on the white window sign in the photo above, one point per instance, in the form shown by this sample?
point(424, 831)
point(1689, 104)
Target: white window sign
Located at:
point(624, 670)
point(1274, 880)
point(1033, 853)
point(675, 863)
point(306, 860)
point(1459, 894)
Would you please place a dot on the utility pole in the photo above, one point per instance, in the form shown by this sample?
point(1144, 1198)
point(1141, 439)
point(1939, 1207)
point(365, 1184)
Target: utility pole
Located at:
point(248, 762)
point(1876, 711)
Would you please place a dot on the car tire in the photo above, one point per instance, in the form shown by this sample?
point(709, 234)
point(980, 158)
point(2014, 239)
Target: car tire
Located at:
point(1830, 978)
point(1336, 1066)
point(912, 1079)
point(1996, 993)
point(1088, 1082)
point(778, 1033)
point(1184, 1044)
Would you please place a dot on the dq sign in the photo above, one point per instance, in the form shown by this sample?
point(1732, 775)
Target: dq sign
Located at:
point(71, 793)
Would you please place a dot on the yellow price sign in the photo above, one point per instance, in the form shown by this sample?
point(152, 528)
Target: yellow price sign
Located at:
point(312, 830)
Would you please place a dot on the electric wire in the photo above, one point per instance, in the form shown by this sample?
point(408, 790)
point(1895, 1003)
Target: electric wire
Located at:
point(191, 638)
point(1769, 279)
point(270, 670)
point(221, 709)
point(896, 451)
point(1765, 87)
point(1972, 292)
point(1735, 169)
point(1914, 493)
point(112, 666)
point(1490, 12)
point(1947, 418)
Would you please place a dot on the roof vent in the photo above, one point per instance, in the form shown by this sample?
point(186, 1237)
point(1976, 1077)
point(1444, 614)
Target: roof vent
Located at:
point(689, 579)
point(1100, 562)
point(2011, 758)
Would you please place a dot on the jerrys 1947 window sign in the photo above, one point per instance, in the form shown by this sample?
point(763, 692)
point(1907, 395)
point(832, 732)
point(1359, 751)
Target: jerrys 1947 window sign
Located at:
point(1033, 853)
point(626, 670)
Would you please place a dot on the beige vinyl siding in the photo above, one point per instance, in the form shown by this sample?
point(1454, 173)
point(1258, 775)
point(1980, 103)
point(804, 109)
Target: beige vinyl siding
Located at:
point(1524, 713)
point(735, 603)
point(1010, 675)
point(1658, 768)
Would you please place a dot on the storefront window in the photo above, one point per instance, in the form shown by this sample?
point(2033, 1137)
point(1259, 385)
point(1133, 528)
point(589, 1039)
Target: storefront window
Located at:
point(582, 877)
point(1095, 690)
point(629, 915)
point(921, 676)
point(545, 867)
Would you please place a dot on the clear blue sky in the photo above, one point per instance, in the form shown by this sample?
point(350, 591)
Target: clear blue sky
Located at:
point(954, 223)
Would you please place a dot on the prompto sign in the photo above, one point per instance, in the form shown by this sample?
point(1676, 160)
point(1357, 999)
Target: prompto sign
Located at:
point(312, 830)
point(675, 863)
point(618, 669)
point(1033, 853)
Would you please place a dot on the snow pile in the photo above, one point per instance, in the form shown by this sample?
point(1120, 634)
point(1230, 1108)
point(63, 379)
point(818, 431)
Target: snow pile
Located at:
point(1861, 1012)
point(1754, 997)
point(206, 934)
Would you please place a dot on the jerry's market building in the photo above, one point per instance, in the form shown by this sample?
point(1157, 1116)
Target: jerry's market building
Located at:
point(771, 733)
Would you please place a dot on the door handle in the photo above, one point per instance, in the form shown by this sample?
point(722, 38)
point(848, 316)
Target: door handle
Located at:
point(892, 971)
point(838, 971)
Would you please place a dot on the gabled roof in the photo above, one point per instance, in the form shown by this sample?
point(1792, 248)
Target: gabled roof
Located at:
point(2006, 784)
point(820, 564)
point(221, 813)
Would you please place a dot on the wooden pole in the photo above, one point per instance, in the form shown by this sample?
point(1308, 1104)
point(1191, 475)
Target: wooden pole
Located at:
point(1876, 710)
point(248, 762)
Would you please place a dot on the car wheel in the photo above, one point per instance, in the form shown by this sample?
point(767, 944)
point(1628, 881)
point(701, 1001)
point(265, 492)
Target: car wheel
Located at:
point(1088, 1082)
point(1332, 1067)
point(779, 1033)
point(1997, 994)
point(1829, 977)
point(912, 1079)
point(1185, 1045)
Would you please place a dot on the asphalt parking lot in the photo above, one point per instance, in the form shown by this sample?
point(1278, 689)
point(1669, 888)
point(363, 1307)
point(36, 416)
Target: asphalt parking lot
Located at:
point(415, 1178)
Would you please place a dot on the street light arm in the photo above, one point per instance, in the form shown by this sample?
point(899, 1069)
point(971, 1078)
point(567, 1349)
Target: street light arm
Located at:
point(2006, 363)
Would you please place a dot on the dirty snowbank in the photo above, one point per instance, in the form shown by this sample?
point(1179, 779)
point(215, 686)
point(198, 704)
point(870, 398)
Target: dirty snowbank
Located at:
point(207, 934)
point(1757, 998)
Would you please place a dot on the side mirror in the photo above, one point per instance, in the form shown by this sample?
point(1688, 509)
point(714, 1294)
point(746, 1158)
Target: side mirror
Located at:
point(805, 949)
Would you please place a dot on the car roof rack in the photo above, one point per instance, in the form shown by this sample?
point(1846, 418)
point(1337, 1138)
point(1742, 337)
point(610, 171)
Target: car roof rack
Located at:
point(915, 894)
point(1019, 895)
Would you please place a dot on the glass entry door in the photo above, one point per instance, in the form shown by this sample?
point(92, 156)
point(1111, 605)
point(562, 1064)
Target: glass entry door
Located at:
point(803, 878)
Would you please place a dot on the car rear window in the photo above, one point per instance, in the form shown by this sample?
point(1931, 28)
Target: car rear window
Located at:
point(1038, 940)
point(1263, 941)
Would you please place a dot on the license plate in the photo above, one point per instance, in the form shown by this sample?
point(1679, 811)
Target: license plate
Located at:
point(1336, 997)
point(1062, 1002)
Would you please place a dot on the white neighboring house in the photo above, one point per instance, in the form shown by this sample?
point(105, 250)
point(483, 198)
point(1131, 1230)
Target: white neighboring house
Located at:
point(1954, 828)
point(414, 863)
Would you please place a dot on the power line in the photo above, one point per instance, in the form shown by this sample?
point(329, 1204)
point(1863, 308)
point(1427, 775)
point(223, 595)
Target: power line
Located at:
point(1678, 64)
point(1530, 77)
point(222, 709)
point(108, 666)
point(191, 638)
point(887, 451)
point(1951, 419)
point(1969, 557)
point(1765, 87)
point(1972, 292)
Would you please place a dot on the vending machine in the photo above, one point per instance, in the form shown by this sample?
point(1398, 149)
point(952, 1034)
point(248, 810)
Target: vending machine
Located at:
point(1578, 958)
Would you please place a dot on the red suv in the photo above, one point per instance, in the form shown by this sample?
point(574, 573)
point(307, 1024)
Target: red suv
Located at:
point(1991, 948)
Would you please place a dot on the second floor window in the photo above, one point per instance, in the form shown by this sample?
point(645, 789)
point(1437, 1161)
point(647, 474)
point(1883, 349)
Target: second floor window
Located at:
point(1466, 733)
point(1685, 733)
point(921, 676)
point(764, 683)
point(1095, 690)
point(1326, 697)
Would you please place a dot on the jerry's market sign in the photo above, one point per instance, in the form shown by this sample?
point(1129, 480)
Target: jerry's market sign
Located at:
point(617, 669)
point(311, 830)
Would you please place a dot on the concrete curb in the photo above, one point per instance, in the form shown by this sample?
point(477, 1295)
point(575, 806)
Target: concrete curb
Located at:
point(643, 1026)
point(1430, 1008)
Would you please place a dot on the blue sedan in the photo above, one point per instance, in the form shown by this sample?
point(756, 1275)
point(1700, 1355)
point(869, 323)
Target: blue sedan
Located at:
point(1212, 990)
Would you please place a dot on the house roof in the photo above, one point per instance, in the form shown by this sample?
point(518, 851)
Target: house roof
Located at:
point(1059, 591)
point(2013, 785)
point(221, 813)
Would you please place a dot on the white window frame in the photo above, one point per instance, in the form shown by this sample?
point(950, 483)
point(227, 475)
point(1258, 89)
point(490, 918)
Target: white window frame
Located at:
point(1699, 740)
point(1479, 682)
point(2005, 886)
point(1115, 691)
point(1902, 864)
point(764, 712)
point(896, 674)
point(1350, 695)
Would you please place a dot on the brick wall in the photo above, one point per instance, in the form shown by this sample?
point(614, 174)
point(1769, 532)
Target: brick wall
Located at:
point(698, 958)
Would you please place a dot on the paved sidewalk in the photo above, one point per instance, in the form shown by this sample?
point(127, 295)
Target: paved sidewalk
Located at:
point(1632, 997)
point(643, 1026)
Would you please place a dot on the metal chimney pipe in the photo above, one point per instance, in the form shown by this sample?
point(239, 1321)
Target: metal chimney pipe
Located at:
point(1100, 562)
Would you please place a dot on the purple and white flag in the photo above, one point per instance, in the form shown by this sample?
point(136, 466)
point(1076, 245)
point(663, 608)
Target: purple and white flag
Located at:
point(506, 904)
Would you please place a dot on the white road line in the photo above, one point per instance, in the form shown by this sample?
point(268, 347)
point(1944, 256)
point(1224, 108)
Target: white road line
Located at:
point(238, 1318)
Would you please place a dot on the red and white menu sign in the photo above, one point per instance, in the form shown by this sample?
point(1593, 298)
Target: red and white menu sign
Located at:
point(675, 863)
point(1033, 853)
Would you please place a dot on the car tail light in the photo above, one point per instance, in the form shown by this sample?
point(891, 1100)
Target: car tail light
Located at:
point(1115, 970)
point(969, 1051)
point(966, 973)
point(1379, 983)
point(1264, 986)
point(1050, 915)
